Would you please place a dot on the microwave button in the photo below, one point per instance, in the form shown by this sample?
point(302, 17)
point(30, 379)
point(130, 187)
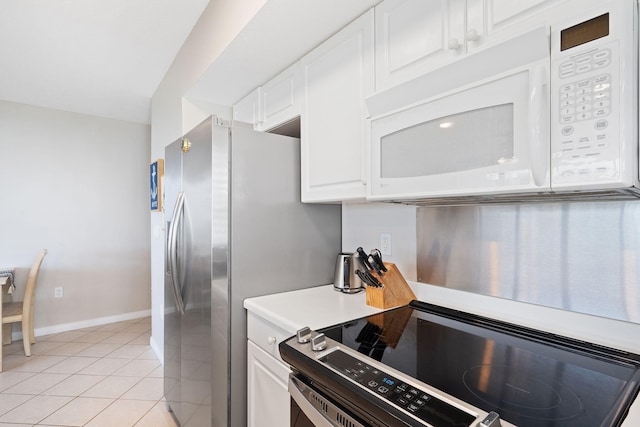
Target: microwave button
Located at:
point(583, 107)
point(567, 73)
point(583, 83)
point(601, 95)
point(602, 79)
point(601, 54)
point(584, 115)
point(567, 130)
point(583, 68)
point(568, 111)
point(567, 65)
point(600, 87)
point(567, 119)
point(601, 112)
point(567, 95)
point(583, 99)
point(600, 104)
point(583, 60)
point(583, 91)
point(602, 63)
point(567, 103)
point(567, 88)
point(601, 124)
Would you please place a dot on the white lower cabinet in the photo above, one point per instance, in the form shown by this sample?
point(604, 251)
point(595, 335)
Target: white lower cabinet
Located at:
point(337, 76)
point(268, 401)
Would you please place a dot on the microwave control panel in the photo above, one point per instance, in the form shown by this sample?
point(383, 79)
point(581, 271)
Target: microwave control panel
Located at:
point(585, 128)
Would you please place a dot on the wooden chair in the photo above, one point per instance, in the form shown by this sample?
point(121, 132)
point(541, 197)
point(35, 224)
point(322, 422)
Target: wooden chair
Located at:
point(22, 311)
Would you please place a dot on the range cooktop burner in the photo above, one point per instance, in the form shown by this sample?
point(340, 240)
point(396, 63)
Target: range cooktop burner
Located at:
point(530, 378)
point(536, 397)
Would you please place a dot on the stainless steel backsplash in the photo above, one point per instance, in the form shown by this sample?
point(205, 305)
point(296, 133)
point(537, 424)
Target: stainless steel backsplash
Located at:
point(582, 257)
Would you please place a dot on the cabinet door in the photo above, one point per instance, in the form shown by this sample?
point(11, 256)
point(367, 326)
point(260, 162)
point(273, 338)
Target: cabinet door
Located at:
point(492, 21)
point(337, 76)
point(247, 109)
point(279, 99)
point(416, 36)
point(268, 401)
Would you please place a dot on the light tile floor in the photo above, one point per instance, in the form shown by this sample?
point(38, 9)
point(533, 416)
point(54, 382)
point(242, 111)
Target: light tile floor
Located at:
point(100, 376)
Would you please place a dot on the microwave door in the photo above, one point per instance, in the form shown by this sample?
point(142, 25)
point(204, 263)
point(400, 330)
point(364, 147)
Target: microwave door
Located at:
point(491, 137)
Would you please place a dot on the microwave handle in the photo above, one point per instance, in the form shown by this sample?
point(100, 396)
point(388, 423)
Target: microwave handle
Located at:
point(539, 123)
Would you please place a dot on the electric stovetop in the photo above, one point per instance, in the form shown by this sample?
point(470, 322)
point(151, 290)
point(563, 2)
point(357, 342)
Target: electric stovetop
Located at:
point(530, 378)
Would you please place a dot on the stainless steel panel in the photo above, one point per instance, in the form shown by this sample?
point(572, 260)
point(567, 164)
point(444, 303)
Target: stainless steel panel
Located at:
point(278, 243)
point(196, 292)
point(172, 318)
point(582, 257)
point(220, 328)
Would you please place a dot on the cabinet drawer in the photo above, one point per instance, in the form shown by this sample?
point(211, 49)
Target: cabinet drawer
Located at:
point(265, 334)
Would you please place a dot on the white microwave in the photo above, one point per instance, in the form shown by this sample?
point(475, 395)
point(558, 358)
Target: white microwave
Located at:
point(552, 111)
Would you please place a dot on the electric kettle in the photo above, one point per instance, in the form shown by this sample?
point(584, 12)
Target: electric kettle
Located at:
point(346, 279)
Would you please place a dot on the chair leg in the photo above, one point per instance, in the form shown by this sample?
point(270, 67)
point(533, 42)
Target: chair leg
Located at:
point(26, 341)
point(32, 335)
point(6, 333)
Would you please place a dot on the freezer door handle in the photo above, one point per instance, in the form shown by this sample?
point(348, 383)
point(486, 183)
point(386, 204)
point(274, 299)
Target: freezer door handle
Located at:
point(172, 251)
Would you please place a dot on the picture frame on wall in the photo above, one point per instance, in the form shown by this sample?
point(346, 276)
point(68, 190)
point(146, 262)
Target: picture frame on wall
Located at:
point(156, 172)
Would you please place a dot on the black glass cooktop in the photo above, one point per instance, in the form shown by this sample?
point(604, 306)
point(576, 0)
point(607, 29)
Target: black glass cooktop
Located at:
point(532, 379)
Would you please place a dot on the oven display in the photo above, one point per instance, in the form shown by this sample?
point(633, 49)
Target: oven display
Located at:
point(584, 32)
point(411, 399)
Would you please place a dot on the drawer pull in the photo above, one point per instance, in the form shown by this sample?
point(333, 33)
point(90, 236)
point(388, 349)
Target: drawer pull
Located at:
point(271, 340)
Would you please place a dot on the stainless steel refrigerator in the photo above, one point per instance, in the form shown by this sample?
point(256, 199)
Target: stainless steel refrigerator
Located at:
point(235, 229)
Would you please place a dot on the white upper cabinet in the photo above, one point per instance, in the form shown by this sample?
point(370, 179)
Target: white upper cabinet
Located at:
point(272, 104)
point(247, 109)
point(336, 78)
point(414, 37)
point(279, 99)
point(491, 21)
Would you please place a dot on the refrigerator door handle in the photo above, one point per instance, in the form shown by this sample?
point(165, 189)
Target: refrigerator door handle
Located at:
point(172, 251)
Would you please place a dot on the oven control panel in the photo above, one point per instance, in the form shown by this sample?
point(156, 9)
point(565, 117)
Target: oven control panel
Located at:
point(417, 402)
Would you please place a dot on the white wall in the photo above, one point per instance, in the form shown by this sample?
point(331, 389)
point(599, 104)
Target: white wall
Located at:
point(76, 185)
point(362, 225)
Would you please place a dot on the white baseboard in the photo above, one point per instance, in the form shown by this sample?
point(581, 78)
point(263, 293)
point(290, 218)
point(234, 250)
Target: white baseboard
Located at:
point(157, 350)
point(56, 329)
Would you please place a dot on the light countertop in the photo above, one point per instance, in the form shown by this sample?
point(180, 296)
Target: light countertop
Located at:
point(313, 307)
point(321, 306)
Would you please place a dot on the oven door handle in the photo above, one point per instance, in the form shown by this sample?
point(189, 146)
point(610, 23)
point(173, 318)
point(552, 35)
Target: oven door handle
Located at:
point(299, 392)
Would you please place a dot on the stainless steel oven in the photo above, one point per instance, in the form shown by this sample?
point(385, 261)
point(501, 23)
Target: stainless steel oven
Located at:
point(424, 365)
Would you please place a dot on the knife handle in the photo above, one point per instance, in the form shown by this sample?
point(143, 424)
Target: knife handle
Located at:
point(377, 257)
point(375, 265)
point(364, 257)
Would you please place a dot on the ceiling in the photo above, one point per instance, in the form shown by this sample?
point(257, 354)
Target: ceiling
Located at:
point(98, 57)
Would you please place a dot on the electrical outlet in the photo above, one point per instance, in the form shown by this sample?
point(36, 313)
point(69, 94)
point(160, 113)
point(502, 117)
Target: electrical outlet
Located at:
point(58, 292)
point(385, 243)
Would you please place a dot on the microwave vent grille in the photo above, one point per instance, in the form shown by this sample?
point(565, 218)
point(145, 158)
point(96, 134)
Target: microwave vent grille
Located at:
point(631, 193)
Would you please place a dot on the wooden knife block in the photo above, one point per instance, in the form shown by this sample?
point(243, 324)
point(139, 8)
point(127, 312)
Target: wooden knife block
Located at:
point(395, 291)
